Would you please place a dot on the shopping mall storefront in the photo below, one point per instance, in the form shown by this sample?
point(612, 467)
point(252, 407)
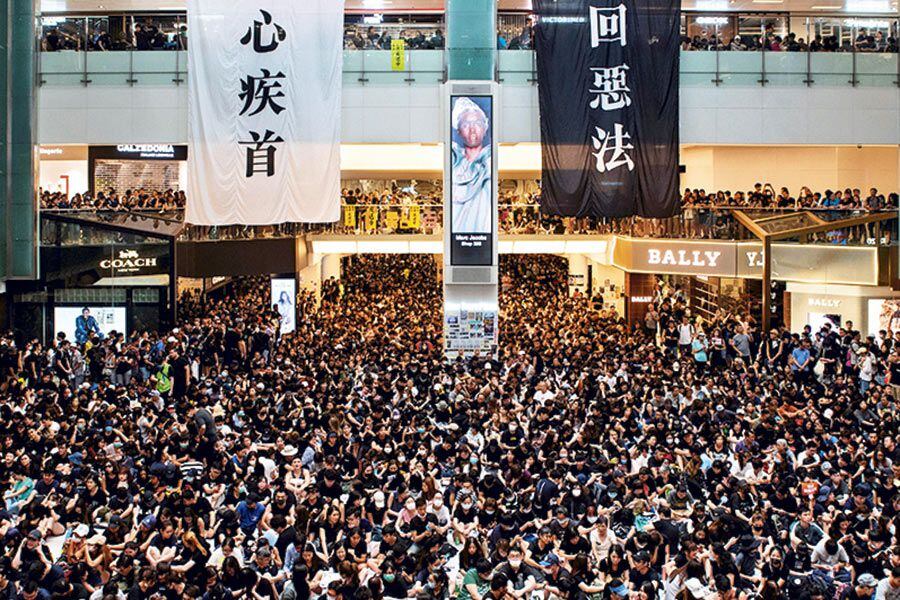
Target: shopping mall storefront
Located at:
point(120, 268)
point(727, 276)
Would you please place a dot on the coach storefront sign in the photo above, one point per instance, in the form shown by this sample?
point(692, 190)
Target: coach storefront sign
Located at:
point(675, 256)
point(130, 262)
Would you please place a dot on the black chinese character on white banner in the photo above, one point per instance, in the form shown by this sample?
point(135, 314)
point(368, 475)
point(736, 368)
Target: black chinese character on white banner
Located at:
point(261, 152)
point(265, 89)
point(255, 33)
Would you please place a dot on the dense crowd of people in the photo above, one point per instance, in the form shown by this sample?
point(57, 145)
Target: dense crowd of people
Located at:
point(366, 209)
point(111, 200)
point(765, 196)
point(865, 41)
point(674, 458)
point(120, 32)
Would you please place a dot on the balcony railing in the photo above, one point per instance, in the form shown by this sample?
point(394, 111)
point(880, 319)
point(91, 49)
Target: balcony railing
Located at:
point(728, 49)
point(527, 219)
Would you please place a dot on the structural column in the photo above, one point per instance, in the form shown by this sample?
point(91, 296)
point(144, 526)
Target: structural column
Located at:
point(471, 39)
point(18, 113)
point(578, 273)
point(471, 308)
point(331, 267)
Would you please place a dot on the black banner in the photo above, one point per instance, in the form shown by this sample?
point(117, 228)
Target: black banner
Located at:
point(608, 85)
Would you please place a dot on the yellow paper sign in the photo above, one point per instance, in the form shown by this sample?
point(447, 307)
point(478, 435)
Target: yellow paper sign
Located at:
point(398, 55)
point(350, 216)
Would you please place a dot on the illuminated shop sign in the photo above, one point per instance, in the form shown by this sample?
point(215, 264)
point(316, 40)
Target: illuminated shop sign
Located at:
point(128, 262)
point(148, 150)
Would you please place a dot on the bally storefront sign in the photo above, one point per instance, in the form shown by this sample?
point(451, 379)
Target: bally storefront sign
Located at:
point(674, 256)
point(810, 263)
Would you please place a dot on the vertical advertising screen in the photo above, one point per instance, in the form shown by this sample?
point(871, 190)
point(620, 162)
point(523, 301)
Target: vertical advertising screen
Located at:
point(284, 296)
point(471, 181)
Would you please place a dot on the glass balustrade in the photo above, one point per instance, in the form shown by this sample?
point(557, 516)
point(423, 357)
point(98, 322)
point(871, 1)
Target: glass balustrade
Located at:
point(778, 49)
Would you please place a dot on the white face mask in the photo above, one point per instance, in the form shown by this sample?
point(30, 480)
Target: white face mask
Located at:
point(576, 492)
point(515, 564)
point(438, 504)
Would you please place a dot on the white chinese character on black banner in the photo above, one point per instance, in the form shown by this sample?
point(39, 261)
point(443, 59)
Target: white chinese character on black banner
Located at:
point(610, 89)
point(608, 25)
point(611, 149)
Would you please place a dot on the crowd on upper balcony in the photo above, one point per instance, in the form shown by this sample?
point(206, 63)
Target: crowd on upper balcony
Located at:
point(416, 38)
point(144, 34)
point(865, 41)
point(765, 196)
point(135, 200)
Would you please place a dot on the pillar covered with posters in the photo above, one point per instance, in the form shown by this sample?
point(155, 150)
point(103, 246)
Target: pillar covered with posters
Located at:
point(470, 183)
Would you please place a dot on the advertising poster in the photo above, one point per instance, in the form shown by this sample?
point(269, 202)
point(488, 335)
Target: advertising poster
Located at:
point(79, 322)
point(284, 296)
point(471, 181)
point(468, 331)
point(884, 314)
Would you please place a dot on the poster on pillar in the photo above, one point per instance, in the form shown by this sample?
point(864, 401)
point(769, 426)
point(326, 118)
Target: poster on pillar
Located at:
point(608, 92)
point(469, 331)
point(471, 181)
point(283, 299)
point(264, 111)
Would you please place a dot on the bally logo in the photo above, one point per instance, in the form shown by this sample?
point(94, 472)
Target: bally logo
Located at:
point(129, 261)
point(824, 302)
point(683, 258)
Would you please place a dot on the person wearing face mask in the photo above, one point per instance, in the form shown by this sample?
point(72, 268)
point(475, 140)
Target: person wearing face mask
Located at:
point(522, 579)
point(393, 584)
point(441, 515)
point(465, 517)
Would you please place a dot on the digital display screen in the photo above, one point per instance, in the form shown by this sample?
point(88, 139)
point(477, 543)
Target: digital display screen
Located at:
point(80, 322)
point(471, 181)
point(284, 297)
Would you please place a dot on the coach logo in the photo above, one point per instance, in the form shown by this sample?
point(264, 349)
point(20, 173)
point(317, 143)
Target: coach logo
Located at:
point(683, 258)
point(824, 303)
point(755, 259)
point(129, 261)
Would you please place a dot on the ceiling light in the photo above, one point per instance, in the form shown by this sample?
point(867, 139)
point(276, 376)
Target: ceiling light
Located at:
point(827, 7)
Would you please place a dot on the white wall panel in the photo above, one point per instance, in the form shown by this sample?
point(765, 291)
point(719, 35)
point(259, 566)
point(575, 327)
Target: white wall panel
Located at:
point(398, 113)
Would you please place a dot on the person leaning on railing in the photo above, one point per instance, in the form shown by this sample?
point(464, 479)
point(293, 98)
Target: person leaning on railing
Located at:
point(866, 41)
point(139, 199)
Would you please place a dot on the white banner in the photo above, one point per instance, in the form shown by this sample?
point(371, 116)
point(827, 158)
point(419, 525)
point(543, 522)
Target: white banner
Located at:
point(264, 111)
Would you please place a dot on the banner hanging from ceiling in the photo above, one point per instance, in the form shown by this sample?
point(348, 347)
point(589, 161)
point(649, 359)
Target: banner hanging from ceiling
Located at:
point(608, 87)
point(264, 111)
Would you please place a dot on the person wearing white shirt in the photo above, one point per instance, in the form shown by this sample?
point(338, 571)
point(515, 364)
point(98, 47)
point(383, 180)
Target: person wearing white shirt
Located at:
point(602, 538)
point(543, 393)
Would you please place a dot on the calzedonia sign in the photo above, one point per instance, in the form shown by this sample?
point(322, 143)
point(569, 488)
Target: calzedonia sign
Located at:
point(138, 152)
point(148, 150)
